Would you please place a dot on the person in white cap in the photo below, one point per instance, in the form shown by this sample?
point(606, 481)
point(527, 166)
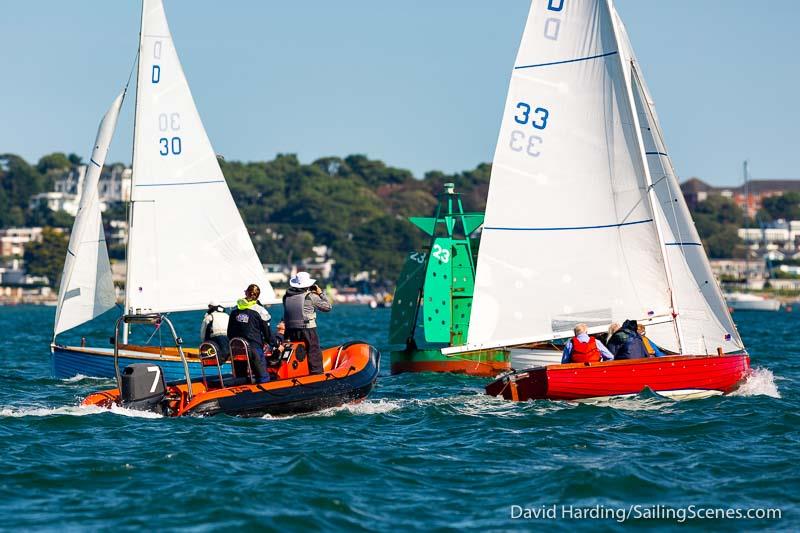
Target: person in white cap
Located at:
point(215, 328)
point(300, 305)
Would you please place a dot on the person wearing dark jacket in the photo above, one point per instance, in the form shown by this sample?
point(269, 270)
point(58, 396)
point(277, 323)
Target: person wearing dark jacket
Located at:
point(626, 343)
point(250, 321)
point(300, 305)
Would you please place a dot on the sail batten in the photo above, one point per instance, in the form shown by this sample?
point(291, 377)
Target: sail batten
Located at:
point(188, 244)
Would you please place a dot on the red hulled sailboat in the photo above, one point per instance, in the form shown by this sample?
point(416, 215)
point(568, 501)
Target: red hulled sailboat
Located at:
point(585, 223)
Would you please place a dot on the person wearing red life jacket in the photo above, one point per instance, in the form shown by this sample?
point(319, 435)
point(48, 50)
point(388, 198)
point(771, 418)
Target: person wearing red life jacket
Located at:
point(584, 349)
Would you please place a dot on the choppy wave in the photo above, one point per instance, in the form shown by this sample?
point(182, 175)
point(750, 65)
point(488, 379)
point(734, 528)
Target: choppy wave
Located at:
point(69, 410)
point(367, 407)
point(80, 377)
point(72, 410)
point(424, 451)
point(760, 382)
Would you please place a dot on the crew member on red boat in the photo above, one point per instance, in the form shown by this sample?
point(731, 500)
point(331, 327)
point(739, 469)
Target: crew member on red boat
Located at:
point(584, 349)
point(626, 342)
point(650, 347)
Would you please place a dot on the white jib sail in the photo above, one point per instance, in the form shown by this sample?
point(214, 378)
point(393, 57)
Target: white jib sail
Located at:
point(569, 234)
point(86, 289)
point(703, 313)
point(187, 244)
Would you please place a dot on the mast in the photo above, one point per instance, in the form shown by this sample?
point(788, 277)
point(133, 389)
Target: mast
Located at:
point(746, 224)
point(125, 329)
point(627, 72)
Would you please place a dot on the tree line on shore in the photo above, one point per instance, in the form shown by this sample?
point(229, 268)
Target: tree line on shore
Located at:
point(355, 205)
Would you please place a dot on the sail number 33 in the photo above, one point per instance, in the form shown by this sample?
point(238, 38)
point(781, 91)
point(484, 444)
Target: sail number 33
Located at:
point(521, 141)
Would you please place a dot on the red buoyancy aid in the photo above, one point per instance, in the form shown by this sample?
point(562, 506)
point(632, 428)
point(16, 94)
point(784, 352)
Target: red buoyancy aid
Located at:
point(585, 352)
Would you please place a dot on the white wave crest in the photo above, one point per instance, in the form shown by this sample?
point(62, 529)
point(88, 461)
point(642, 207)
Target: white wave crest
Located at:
point(117, 410)
point(367, 407)
point(80, 377)
point(760, 382)
point(71, 410)
point(644, 401)
point(371, 407)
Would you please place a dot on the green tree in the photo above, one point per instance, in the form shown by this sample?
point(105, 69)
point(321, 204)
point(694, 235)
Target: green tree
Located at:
point(718, 220)
point(46, 257)
point(19, 181)
point(785, 206)
point(56, 161)
point(41, 215)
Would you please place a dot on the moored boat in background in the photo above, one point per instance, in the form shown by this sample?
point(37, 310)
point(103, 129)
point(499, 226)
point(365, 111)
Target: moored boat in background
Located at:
point(742, 301)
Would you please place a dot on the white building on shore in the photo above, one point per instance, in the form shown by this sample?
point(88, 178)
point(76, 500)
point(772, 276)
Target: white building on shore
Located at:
point(114, 186)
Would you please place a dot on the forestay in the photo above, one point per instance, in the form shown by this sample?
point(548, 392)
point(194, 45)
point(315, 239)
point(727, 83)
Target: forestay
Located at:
point(86, 289)
point(569, 234)
point(702, 311)
point(188, 244)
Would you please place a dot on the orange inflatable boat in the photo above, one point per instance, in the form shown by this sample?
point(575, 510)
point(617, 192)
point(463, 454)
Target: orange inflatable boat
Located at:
point(350, 374)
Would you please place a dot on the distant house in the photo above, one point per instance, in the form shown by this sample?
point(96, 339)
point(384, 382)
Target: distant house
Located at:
point(114, 186)
point(321, 264)
point(277, 274)
point(696, 191)
point(13, 240)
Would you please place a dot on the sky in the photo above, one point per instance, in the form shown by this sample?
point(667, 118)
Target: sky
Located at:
point(419, 84)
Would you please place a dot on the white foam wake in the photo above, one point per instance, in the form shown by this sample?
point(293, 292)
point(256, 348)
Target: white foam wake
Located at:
point(72, 410)
point(367, 407)
point(80, 377)
point(760, 382)
point(69, 410)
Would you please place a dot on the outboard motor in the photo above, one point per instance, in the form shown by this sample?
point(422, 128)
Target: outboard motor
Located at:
point(143, 387)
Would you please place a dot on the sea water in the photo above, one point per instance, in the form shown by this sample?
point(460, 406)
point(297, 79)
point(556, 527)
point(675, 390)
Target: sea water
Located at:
point(425, 451)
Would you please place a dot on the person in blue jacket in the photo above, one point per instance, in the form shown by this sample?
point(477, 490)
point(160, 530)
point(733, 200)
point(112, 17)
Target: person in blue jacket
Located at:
point(626, 342)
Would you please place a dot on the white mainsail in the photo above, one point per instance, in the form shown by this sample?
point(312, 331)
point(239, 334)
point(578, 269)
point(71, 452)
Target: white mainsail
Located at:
point(703, 313)
point(570, 235)
point(187, 244)
point(87, 290)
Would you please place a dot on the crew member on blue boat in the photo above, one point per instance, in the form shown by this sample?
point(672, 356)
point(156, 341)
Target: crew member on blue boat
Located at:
point(214, 328)
point(301, 302)
point(584, 349)
point(650, 347)
point(250, 321)
point(626, 342)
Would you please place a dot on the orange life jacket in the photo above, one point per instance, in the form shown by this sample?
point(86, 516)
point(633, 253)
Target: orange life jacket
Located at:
point(648, 347)
point(585, 352)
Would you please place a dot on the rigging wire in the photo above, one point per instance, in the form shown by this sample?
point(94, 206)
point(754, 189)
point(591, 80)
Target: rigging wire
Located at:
point(133, 69)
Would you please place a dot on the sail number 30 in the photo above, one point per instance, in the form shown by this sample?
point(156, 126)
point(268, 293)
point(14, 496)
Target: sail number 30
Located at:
point(167, 123)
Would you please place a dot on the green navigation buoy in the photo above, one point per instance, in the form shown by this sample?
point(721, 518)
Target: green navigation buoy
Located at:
point(433, 299)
